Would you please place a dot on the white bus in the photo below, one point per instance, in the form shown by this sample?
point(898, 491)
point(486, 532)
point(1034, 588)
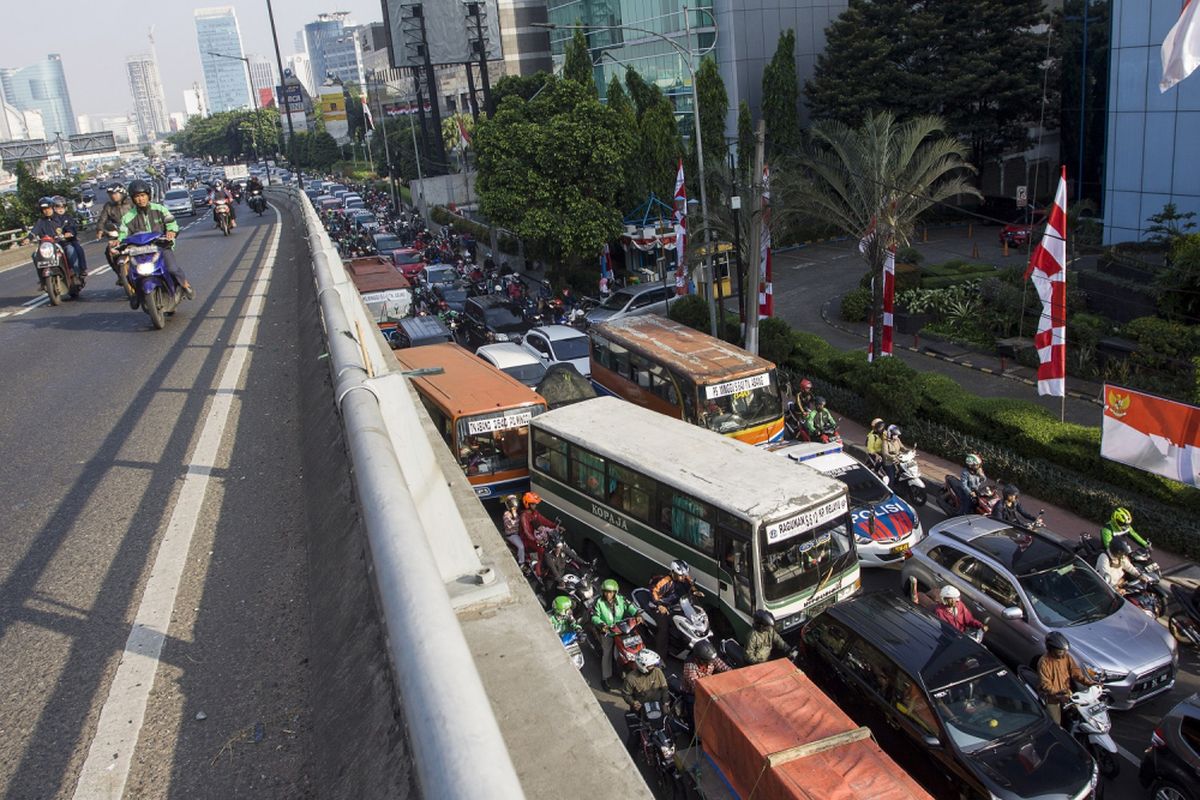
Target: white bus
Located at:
point(641, 489)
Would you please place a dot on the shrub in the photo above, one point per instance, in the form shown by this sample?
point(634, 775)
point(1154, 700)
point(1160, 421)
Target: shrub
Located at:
point(691, 311)
point(909, 255)
point(856, 305)
point(775, 341)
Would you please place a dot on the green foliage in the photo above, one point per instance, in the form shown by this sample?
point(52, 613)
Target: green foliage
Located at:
point(1165, 356)
point(909, 255)
point(229, 135)
point(780, 94)
point(972, 64)
point(643, 95)
point(323, 151)
point(1179, 282)
point(659, 147)
point(399, 146)
point(523, 86)
point(856, 305)
point(619, 103)
point(714, 105)
point(21, 210)
point(692, 311)
point(745, 144)
point(1169, 224)
point(775, 342)
point(577, 63)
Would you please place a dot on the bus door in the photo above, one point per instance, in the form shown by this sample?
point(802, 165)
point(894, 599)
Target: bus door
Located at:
point(735, 578)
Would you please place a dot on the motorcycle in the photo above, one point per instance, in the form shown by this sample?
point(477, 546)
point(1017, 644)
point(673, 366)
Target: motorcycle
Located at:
point(1089, 723)
point(570, 642)
point(1185, 624)
point(652, 739)
point(54, 271)
point(154, 288)
point(1147, 594)
point(948, 500)
point(224, 217)
point(908, 475)
point(257, 203)
point(689, 622)
point(627, 642)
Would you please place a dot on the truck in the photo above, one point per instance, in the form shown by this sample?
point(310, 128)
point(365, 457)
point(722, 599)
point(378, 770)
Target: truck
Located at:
point(768, 732)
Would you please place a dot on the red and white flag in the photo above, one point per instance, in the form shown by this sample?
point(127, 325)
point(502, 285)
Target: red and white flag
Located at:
point(1151, 433)
point(368, 120)
point(889, 301)
point(680, 231)
point(1181, 48)
point(1048, 268)
point(464, 138)
point(766, 297)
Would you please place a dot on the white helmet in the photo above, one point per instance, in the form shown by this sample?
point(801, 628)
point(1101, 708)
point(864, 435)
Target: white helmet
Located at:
point(950, 593)
point(647, 660)
point(679, 568)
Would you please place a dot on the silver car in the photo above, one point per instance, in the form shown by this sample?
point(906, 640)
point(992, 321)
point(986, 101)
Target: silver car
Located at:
point(629, 301)
point(1029, 584)
point(179, 202)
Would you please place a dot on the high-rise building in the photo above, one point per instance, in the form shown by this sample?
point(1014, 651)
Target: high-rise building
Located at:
point(178, 121)
point(526, 48)
point(41, 87)
point(220, 43)
point(325, 29)
point(301, 68)
point(263, 77)
point(343, 57)
point(18, 124)
point(149, 105)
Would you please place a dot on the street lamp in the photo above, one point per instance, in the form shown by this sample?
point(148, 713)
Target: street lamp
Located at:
point(687, 55)
point(249, 75)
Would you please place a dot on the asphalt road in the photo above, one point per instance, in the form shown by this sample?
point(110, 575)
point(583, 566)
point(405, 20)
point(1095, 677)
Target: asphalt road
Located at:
point(137, 458)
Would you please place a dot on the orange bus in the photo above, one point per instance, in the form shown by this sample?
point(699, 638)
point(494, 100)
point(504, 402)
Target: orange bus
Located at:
point(482, 414)
point(667, 367)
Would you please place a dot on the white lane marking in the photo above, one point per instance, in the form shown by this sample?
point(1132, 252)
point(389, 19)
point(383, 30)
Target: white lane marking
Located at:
point(106, 769)
point(1128, 756)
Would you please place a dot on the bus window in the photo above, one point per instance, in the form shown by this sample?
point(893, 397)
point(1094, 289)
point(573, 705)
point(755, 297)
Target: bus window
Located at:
point(486, 452)
point(687, 520)
point(440, 420)
point(737, 563)
point(662, 385)
point(588, 473)
point(619, 360)
point(601, 352)
point(629, 492)
point(550, 455)
point(689, 400)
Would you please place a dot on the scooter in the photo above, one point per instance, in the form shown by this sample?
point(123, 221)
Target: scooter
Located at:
point(627, 642)
point(154, 288)
point(54, 271)
point(570, 641)
point(948, 499)
point(910, 484)
point(257, 203)
point(1185, 624)
point(1092, 728)
point(224, 218)
point(689, 622)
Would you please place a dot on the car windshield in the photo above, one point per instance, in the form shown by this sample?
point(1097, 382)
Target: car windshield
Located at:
point(567, 349)
point(617, 300)
point(178, 194)
point(980, 712)
point(528, 374)
point(452, 292)
point(727, 411)
point(384, 243)
point(864, 486)
point(807, 560)
point(407, 258)
point(1070, 594)
point(503, 317)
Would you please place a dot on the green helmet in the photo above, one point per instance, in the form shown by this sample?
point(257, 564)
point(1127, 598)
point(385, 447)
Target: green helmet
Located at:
point(609, 586)
point(1122, 517)
point(562, 605)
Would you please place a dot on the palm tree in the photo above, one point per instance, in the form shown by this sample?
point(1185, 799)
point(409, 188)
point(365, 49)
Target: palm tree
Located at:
point(880, 176)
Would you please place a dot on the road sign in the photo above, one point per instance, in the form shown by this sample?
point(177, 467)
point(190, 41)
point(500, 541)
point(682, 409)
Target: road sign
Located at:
point(1022, 196)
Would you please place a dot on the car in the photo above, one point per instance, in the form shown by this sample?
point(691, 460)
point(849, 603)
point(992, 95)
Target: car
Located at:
point(454, 294)
point(179, 202)
point(646, 298)
point(885, 526)
point(1025, 224)
point(492, 318)
point(418, 331)
point(1031, 584)
point(512, 360)
point(385, 243)
point(199, 198)
point(410, 261)
point(559, 344)
point(1171, 764)
point(436, 274)
point(948, 710)
point(365, 220)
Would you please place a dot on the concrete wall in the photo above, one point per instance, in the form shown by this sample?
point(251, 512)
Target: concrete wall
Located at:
point(445, 189)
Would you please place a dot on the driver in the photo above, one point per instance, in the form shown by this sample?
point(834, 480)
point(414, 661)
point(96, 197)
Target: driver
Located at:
point(1056, 670)
point(665, 592)
point(763, 640)
point(955, 613)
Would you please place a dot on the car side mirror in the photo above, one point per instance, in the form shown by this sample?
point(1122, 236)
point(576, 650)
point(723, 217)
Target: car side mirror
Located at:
point(932, 741)
point(1013, 612)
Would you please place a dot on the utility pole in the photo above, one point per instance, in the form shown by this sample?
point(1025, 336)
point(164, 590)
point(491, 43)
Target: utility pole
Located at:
point(708, 245)
point(756, 232)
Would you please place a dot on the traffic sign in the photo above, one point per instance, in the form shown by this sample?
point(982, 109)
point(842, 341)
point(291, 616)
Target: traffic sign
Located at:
point(1022, 196)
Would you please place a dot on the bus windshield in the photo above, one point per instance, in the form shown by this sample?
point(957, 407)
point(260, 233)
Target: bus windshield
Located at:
point(735, 405)
point(494, 442)
point(809, 559)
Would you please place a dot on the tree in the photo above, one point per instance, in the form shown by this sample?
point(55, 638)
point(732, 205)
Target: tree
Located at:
point(577, 63)
point(1169, 224)
point(1179, 282)
point(659, 147)
point(323, 151)
point(523, 86)
point(399, 146)
point(30, 189)
point(714, 107)
point(780, 98)
point(643, 94)
point(745, 144)
point(880, 176)
point(630, 194)
point(229, 135)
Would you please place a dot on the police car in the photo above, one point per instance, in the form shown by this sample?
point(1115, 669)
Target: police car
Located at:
point(885, 527)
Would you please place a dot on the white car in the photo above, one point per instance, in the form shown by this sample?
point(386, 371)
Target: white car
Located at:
point(559, 344)
point(885, 526)
point(179, 202)
point(509, 358)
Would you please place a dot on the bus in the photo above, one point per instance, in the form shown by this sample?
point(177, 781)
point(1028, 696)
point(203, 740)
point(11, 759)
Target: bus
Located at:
point(482, 414)
point(667, 367)
point(639, 490)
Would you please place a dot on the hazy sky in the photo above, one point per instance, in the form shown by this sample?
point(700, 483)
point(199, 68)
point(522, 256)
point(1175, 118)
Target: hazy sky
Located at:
point(95, 38)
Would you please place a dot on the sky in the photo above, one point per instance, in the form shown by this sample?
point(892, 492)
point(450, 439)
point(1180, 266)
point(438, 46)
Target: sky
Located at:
point(99, 36)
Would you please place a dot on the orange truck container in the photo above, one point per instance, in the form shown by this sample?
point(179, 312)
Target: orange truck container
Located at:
point(771, 734)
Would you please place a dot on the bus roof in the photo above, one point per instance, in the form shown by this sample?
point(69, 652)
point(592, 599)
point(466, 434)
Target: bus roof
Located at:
point(694, 354)
point(714, 468)
point(468, 384)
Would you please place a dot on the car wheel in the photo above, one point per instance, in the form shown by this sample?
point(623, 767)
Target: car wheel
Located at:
point(1165, 789)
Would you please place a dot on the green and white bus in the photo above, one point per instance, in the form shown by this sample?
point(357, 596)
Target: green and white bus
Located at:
point(642, 489)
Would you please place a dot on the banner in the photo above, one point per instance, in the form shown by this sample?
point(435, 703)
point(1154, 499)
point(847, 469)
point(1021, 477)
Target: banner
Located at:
point(1048, 268)
point(1151, 433)
point(680, 231)
point(889, 301)
point(766, 295)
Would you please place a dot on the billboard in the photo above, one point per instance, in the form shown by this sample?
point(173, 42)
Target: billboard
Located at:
point(1151, 433)
point(449, 30)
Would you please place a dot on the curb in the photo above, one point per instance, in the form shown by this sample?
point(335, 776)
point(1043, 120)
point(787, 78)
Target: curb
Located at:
point(826, 318)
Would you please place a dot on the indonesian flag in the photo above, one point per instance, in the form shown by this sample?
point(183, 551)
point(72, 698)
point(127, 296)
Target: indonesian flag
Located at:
point(766, 298)
point(1048, 268)
point(889, 301)
point(368, 120)
point(464, 138)
point(1152, 434)
point(680, 231)
point(1181, 48)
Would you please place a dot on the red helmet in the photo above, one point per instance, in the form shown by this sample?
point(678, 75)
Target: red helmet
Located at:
point(806, 385)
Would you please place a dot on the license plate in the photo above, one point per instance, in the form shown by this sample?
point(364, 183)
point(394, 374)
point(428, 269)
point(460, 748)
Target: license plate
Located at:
point(900, 548)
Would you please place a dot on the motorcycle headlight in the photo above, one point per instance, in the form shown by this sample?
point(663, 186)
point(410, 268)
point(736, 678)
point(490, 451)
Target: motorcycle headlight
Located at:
point(145, 268)
point(46, 250)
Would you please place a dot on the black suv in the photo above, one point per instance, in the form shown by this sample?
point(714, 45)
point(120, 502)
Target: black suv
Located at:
point(1172, 762)
point(492, 318)
point(941, 704)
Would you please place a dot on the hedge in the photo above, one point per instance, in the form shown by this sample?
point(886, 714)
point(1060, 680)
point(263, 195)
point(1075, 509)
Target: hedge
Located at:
point(481, 233)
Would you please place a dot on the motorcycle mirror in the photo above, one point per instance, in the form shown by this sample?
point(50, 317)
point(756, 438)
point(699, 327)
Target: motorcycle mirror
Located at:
point(1013, 612)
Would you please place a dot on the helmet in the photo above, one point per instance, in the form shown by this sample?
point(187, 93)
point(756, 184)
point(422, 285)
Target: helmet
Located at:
point(679, 568)
point(704, 651)
point(219, 185)
point(764, 618)
point(138, 187)
point(893, 430)
point(562, 605)
point(973, 460)
point(531, 498)
point(510, 501)
point(819, 402)
point(877, 423)
point(59, 200)
point(806, 385)
point(950, 593)
point(987, 491)
point(1056, 641)
point(1122, 517)
point(1011, 491)
point(45, 202)
point(116, 188)
point(1120, 547)
point(647, 660)
point(609, 585)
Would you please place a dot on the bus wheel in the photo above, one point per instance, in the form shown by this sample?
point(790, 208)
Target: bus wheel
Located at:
point(592, 551)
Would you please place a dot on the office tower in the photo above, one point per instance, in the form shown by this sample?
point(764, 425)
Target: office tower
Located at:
point(149, 106)
point(41, 87)
point(264, 79)
point(220, 43)
point(301, 68)
point(326, 29)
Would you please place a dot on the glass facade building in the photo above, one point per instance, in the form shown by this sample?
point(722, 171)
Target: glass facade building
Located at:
point(41, 87)
point(318, 35)
point(1153, 137)
point(225, 80)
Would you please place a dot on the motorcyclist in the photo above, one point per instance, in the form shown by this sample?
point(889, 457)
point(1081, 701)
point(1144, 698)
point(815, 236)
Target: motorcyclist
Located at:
point(875, 443)
point(511, 519)
point(609, 609)
point(973, 479)
point(1056, 670)
point(665, 591)
point(954, 612)
point(109, 219)
point(763, 640)
point(1009, 510)
point(253, 186)
point(1114, 564)
point(556, 563)
point(646, 683)
point(562, 617)
point(702, 662)
point(819, 421)
point(70, 229)
point(531, 521)
point(1121, 524)
point(221, 192)
point(48, 227)
point(892, 448)
point(146, 216)
point(804, 397)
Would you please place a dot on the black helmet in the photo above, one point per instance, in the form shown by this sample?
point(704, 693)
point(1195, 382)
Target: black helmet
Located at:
point(45, 202)
point(764, 618)
point(819, 402)
point(1011, 491)
point(59, 200)
point(1119, 547)
point(1056, 641)
point(704, 651)
point(138, 187)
